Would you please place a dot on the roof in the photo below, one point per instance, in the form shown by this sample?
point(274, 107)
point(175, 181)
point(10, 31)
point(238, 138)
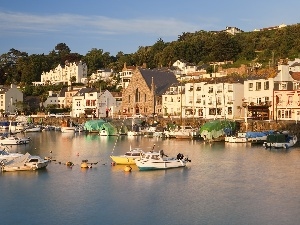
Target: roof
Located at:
point(82, 91)
point(295, 75)
point(162, 79)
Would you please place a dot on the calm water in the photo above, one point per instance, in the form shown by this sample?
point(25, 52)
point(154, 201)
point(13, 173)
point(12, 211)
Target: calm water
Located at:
point(224, 184)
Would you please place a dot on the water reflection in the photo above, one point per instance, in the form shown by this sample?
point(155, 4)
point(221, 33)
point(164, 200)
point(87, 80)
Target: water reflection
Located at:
point(224, 184)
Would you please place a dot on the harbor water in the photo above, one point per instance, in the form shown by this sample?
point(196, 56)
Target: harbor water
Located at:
point(223, 184)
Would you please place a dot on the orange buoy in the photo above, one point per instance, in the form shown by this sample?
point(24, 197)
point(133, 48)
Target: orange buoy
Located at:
point(127, 169)
point(70, 164)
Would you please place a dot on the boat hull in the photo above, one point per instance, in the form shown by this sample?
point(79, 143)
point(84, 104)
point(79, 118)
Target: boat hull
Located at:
point(144, 165)
point(24, 168)
point(68, 129)
point(290, 142)
point(146, 168)
point(121, 160)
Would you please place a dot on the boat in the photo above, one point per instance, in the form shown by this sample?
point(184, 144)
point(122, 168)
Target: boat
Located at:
point(24, 163)
point(33, 129)
point(68, 129)
point(13, 140)
point(185, 132)
point(16, 127)
point(6, 155)
point(159, 161)
point(4, 125)
point(239, 138)
point(79, 128)
point(258, 137)
point(217, 130)
point(280, 140)
point(129, 157)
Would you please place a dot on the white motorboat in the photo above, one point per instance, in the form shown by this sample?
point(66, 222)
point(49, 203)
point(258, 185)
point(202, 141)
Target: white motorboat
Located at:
point(129, 157)
point(68, 129)
point(33, 129)
point(185, 132)
point(280, 140)
point(13, 140)
point(16, 127)
point(103, 132)
point(239, 138)
point(79, 129)
point(24, 163)
point(159, 161)
point(6, 155)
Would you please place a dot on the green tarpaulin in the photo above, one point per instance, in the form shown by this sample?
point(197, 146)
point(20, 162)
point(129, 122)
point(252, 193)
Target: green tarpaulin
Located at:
point(98, 125)
point(93, 125)
point(217, 128)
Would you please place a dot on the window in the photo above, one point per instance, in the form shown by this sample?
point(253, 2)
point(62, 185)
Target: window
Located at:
point(250, 86)
point(266, 85)
point(258, 86)
point(258, 101)
point(283, 86)
point(296, 86)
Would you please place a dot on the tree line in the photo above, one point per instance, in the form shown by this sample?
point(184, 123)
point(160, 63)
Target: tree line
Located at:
point(265, 47)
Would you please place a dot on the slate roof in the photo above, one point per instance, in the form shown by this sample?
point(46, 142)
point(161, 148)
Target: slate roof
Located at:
point(162, 79)
point(82, 91)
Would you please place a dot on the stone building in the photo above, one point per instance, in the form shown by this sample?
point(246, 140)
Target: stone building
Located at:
point(144, 92)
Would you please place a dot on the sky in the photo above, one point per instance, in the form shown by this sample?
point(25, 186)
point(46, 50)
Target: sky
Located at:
point(37, 26)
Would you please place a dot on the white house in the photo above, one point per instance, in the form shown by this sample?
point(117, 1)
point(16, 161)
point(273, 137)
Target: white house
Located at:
point(84, 102)
point(63, 74)
point(101, 74)
point(8, 97)
point(222, 100)
point(173, 101)
point(280, 96)
point(204, 100)
point(125, 76)
point(90, 103)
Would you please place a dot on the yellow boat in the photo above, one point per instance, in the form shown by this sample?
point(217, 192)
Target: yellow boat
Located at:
point(128, 158)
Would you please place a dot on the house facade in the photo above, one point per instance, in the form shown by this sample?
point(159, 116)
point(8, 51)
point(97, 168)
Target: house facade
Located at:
point(62, 74)
point(204, 100)
point(8, 97)
point(173, 101)
point(144, 92)
point(125, 76)
point(90, 103)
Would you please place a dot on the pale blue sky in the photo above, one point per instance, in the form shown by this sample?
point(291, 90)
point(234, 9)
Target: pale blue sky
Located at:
point(37, 26)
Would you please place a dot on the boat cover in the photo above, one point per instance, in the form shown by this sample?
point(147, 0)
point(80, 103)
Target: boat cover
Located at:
point(19, 161)
point(94, 125)
point(278, 138)
point(217, 128)
point(111, 129)
point(255, 134)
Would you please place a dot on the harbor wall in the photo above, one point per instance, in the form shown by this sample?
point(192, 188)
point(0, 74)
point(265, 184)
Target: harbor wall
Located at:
point(251, 125)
